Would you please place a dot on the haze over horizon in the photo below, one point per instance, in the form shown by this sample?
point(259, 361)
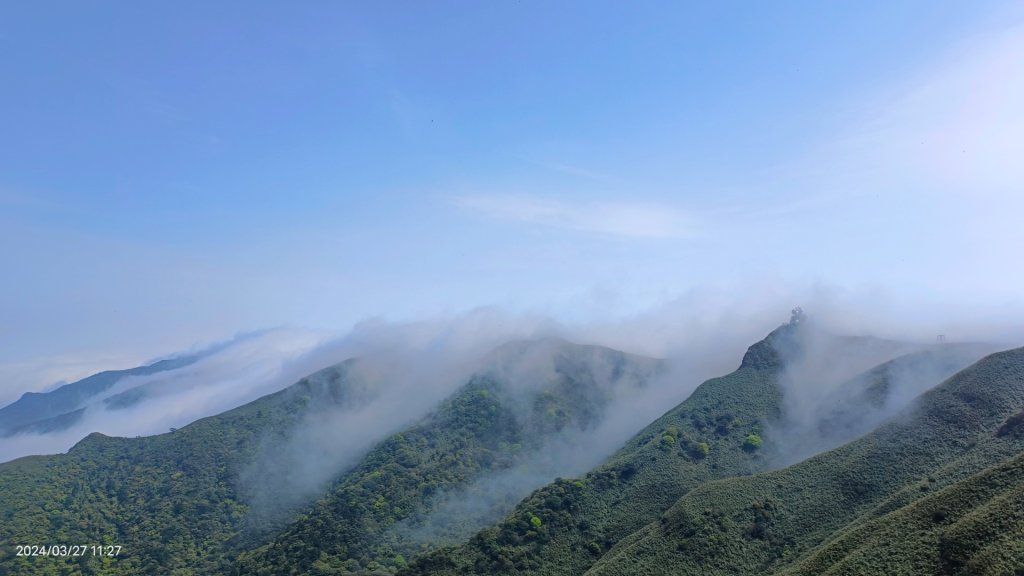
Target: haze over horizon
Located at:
point(175, 175)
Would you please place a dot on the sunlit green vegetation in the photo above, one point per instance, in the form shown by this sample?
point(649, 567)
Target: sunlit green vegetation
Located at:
point(700, 440)
point(939, 490)
point(483, 429)
point(171, 501)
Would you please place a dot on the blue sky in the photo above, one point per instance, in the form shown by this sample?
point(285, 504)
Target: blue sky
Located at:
point(178, 172)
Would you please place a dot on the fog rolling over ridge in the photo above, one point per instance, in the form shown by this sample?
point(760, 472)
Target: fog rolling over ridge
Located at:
point(401, 372)
point(837, 388)
point(234, 373)
point(620, 394)
point(701, 333)
point(395, 504)
point(612, 394)
point(533, 410)
point(397, 439)
point(512, 289)
point(416, 364)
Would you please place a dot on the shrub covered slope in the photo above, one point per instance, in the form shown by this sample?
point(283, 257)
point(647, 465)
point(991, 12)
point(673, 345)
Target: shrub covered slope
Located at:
point(172, 501)
point(565, 527)
point(491, 425)
point(181, 502)
point(935, 491)
point(694, 492)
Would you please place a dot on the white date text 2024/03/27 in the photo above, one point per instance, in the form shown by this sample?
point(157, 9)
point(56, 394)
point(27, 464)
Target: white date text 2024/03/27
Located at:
point(66, 550)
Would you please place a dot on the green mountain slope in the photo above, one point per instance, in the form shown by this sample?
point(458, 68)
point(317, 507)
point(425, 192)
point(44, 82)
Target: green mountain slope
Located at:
point(171, 501)
point(579, 520)
point(716, 433)
point(701, 439)
point(972, 527)
point(184, 502)
point(493, 424)
point(218, 496)
point(775, 520)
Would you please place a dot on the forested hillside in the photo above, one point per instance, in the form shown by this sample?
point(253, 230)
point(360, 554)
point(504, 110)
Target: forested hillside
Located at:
point(172, 501)
point(367, 523)
point(577, 521)
point(694, 492)
point(183, 502)
point(716, 433)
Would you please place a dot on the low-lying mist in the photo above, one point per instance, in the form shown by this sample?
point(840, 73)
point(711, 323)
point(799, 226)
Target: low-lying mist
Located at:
point(404, 389)
point(236, 372)
point(631, 405)
point(838, 388)
point(414, 364)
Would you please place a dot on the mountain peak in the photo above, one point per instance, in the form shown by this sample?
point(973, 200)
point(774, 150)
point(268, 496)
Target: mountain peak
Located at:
point(765, 354)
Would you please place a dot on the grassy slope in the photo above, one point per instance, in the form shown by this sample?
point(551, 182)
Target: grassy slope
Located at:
point(483, 429)
point(770, 521)
point(974, 526)
point(580, 520)
point(170, 500)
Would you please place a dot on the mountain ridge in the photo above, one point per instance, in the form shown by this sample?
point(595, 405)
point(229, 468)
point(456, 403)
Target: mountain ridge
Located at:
point(802, 506)
point(33, 407)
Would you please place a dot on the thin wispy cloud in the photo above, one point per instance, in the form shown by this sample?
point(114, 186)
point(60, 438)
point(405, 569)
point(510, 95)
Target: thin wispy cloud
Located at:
point(577, 171)
point(621, 219)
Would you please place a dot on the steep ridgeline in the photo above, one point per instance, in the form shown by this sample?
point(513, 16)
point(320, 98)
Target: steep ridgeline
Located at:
point(936, 490)
point(61, 408)
point(578, 521)
point(172, 502)
point(495, 432)
point(720, 431)
point(340, 474)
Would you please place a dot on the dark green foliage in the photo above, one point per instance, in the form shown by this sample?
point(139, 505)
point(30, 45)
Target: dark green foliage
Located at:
point(394, 481)
point(176, 503)
point(668, 458)
point(939, 490)
point(1014, 426)
point(171, 501)
point(478, 432)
